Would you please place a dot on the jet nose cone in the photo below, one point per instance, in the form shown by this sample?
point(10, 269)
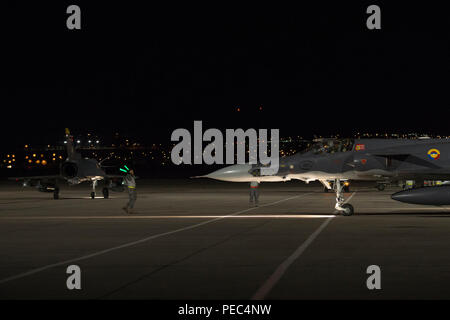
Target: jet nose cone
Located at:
point(234, 173)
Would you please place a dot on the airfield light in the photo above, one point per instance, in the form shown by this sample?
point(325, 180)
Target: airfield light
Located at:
point(126, 167)
point(123, 170)
point(30, 161)
point(7, 155)
point(44, 162)
point(78, 141)
point(38, 161)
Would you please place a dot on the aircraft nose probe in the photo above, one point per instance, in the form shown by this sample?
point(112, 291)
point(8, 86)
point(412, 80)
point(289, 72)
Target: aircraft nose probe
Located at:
point(234, 173)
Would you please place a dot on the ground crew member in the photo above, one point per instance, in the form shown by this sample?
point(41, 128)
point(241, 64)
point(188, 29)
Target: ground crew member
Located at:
point(130, 182)
point(254, 194)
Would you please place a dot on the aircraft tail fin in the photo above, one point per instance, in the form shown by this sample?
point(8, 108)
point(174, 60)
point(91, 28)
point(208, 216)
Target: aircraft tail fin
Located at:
point(71, 153)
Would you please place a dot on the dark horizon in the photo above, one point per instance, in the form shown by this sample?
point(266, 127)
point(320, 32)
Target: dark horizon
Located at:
point(147, 71)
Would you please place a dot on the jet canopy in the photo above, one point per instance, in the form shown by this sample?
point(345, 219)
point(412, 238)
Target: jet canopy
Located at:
point(322, 146)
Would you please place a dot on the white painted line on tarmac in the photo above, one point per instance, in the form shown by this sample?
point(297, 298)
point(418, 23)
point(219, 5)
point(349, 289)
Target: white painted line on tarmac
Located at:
point(129, 244)
point(279, 272)
point(264, 290)
point(260, 216)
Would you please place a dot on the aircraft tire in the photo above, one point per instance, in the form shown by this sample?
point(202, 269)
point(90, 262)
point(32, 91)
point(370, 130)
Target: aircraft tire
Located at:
point(348, 209)
point(381, 187)
point(325, 189)
point(105, 193)
point(346, 189)
point(56, 194)
point(92, 195)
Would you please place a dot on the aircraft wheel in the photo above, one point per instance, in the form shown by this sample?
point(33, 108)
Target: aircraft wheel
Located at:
point(346, 188)
point(325, 189)
point(381, 187)
point(105, 193)
point(348, 209)
point(92, 195)
point(56, 194)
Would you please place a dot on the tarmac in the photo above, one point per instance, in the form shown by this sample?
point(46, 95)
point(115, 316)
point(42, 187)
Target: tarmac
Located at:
point(200, 239)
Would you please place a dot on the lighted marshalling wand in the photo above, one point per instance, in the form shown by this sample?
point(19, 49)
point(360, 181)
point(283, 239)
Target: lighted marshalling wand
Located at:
point(123, 170)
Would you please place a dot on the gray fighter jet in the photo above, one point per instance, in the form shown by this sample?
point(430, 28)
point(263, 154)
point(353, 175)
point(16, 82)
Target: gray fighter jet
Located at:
point(75, 170)
point(333, 161)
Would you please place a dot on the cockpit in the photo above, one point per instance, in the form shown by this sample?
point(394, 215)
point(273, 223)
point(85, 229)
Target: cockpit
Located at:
point(320, 146)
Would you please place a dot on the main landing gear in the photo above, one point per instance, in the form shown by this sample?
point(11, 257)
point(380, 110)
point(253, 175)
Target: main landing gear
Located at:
point(105, 190)
point(346, 209)
point(56, 193)
point(105, 193)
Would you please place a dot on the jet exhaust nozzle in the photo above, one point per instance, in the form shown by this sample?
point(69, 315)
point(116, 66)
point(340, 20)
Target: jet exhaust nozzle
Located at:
point(436, 196)
point(69, 170)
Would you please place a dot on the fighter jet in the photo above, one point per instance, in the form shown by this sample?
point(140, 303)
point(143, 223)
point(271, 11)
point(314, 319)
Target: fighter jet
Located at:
point(333, 161)
point(75, 170)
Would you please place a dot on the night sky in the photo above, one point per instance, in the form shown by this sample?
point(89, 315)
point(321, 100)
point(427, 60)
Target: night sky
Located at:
point(148, 70)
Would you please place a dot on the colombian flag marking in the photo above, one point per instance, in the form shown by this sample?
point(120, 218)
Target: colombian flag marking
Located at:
point(434, 154)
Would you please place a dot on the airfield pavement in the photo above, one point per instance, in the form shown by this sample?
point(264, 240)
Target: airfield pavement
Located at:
point(200, 239)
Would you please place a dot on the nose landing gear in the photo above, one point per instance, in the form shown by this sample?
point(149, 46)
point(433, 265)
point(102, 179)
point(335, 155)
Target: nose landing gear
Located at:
point(345, 209)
